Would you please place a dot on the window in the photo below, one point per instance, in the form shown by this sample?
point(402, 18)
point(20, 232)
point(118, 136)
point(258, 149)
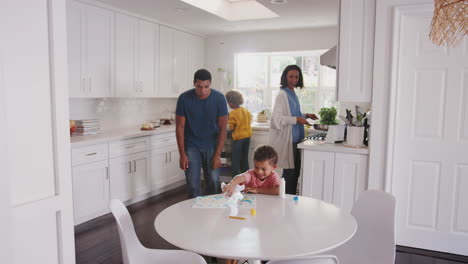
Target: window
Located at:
point(258, 77)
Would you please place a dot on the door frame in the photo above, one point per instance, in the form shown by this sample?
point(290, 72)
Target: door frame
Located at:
point(388, 12)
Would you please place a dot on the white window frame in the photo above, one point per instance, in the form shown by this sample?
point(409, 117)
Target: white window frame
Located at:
point(268, 94)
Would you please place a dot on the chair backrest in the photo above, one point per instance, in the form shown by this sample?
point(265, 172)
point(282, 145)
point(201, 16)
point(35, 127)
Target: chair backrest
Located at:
point(374, 241)
point(128, 239)
point(325, 259)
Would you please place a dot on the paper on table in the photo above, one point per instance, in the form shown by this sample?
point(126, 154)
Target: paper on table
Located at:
point(220, 201)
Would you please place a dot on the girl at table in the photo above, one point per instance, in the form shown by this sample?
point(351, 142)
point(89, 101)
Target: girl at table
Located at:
point(263, 178)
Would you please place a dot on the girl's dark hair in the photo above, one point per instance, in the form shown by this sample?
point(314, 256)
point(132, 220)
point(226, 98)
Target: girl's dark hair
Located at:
point(202, 75)
point(234, 97)
point(284, 79)
point(266, 152)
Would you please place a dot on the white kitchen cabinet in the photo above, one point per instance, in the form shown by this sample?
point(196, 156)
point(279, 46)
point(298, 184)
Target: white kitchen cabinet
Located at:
point(90, 50)
point(336, 178)
point(259, 137)
point(130, 176)
point(90, 190)
point(355, 50)
point(165, 168)
point(197, 57)
point(137, 60)
point(181, 54)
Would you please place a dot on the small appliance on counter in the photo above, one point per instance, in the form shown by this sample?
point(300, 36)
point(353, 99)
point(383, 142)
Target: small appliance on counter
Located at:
point(335, 134)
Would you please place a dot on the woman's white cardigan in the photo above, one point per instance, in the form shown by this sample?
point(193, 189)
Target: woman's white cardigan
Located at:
point(280, 136)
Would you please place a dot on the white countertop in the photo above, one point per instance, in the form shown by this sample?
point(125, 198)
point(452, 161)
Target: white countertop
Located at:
point(117, 134)
point(317, 145)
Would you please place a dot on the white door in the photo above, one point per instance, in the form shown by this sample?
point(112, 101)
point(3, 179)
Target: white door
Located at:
point(99, 51)
point(121, 170)
point(158, 168)
point(148, 59)
point(76, 13)
point(126, 40)
point(141, 177)
point(317, 174)
point(430, 156)
point(181, 63)
point(349, 179)
point(166, 50)
point(90, 190)
point(33, 62)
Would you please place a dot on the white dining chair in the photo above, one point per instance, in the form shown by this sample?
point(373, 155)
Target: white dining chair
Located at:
point(133, 252)
point(374, 241)
point(325, 259)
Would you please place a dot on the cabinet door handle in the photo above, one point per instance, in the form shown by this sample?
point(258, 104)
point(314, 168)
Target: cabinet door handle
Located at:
point(107, 173)
point(83, 84)
point(89, 88)
point(128, 147)
point(129, 167)
point(170, 156)
point(165, 161)
point(134, 166)
point(90, 154)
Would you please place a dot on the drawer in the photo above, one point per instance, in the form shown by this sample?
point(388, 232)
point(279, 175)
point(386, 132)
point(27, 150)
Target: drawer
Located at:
point(89, 154)
point(163, 140)
point(128, 146)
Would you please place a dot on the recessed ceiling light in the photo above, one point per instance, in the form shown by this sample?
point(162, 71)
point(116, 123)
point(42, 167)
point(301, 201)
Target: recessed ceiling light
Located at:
point(278, 2)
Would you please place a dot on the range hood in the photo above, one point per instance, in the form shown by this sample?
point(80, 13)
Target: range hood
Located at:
point(329, 58)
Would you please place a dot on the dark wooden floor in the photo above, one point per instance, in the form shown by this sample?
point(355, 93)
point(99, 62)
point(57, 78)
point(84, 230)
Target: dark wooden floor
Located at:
point(97, 241)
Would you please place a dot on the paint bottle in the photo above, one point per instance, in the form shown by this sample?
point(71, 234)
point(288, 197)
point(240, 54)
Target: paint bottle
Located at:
point(282, 188)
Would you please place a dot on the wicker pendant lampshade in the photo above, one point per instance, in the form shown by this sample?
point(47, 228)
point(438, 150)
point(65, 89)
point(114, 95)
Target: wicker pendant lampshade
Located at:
point(450, 22)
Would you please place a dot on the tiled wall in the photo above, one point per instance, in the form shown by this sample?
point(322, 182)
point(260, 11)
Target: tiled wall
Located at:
point(122, 112)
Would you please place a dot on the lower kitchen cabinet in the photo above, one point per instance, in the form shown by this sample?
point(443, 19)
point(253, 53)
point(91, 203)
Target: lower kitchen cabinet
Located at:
point(334, 177)
point(165, 166)
point(130, 176)
point(90, 190)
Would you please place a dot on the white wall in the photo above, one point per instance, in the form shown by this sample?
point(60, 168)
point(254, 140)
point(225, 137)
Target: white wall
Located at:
point(121, 113)
point(219, 50)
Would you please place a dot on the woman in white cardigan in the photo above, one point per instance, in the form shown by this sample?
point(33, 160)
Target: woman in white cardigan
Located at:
point(287, 126)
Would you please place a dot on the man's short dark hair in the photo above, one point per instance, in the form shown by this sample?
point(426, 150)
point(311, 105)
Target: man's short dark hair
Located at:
point(284, 76)
point(266, 152)
point(202, 75)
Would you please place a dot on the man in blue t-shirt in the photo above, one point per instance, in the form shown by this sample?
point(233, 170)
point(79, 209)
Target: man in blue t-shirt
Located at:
point(201, 123)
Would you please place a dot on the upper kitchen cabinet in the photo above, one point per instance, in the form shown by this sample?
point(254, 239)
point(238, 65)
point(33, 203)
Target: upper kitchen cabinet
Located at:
point(180, 55)
point(137, 57)
point(197, 57)
point(356, 49)
point(90, 50)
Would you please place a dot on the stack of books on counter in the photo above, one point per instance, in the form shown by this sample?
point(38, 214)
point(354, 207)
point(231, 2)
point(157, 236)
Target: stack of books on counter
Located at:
point(87, 127)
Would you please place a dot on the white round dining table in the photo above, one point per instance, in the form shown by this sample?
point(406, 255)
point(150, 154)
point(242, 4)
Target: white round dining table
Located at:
point(281, 228)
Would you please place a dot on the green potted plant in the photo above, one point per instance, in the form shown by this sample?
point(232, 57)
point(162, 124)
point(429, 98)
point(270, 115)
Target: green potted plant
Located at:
point(328, 116)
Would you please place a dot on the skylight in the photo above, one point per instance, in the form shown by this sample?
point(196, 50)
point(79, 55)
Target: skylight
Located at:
point(234, 10)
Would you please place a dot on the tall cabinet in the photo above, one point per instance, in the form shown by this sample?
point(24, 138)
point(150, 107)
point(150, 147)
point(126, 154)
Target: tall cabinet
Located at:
point(137, 57)
point(356, 50)
point(90, 32)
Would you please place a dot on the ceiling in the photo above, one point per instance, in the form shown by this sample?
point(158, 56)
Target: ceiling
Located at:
point(293, 15)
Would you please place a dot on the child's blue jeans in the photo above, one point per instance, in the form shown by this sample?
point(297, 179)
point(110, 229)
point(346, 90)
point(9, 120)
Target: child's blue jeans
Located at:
point(240, 156)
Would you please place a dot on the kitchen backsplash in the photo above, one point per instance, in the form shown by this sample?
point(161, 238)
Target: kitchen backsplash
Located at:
point(122, 112)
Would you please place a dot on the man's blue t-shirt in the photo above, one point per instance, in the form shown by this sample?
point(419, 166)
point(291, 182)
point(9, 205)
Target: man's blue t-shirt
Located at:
point(201, 118)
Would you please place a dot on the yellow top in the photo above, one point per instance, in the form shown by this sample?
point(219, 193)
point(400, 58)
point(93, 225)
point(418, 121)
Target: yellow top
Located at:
point(239, 123)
